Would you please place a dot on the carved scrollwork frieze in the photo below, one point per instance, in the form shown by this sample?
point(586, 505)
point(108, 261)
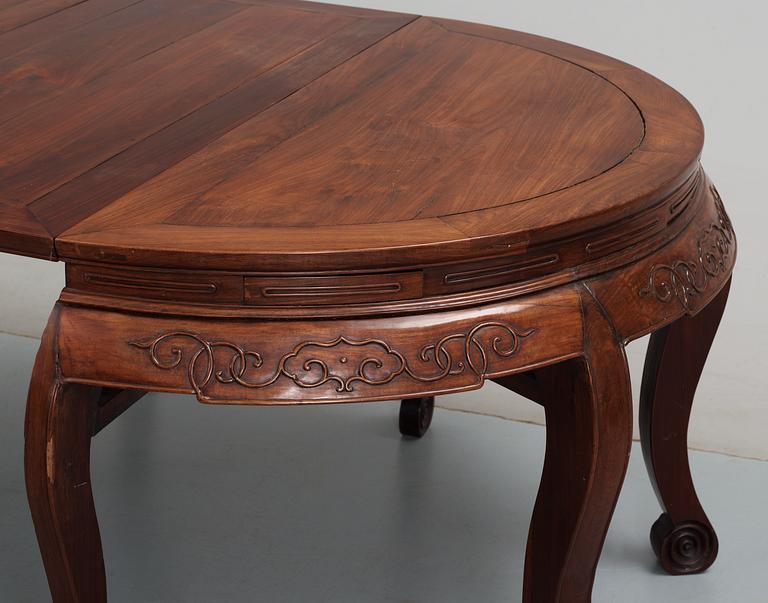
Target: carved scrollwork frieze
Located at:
point(342, 363)
point(685, 278)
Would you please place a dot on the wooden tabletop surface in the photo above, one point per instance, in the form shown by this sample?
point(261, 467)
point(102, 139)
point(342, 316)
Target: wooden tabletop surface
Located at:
point(288, 135)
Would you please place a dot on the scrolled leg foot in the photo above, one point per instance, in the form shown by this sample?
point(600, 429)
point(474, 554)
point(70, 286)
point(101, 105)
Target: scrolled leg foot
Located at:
point(682, 538)
point(685, 548)
point(416, 416)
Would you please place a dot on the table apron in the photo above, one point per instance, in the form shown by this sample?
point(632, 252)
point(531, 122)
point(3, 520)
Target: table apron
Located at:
point(305, 361)
point(320, 359)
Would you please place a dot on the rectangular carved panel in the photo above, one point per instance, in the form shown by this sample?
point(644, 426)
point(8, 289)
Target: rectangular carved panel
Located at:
point(195, 287)
point(321, 360)
point(325, 290)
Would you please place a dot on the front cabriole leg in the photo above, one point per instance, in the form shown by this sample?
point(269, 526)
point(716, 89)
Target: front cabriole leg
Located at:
point(678, 294)
point(59, 423)
point(683, 537)
point(588, 406)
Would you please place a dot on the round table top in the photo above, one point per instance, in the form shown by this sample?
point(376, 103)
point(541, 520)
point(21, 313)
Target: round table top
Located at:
point(292, 136)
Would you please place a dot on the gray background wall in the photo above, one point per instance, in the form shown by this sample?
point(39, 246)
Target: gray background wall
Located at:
point(714, 53)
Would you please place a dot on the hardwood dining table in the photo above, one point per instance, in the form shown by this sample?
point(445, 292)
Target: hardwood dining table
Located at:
point(284, 202)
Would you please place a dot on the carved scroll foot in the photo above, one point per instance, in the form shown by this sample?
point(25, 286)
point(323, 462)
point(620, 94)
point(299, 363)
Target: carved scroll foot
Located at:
point(683, 538)
point(684, 548)
point(59, 423)
point(416, 416)
point(588, 407)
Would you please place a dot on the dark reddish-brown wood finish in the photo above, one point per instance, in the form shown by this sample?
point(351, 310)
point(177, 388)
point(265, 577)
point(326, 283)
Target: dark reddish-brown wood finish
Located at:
point(285, 202)
point(416, 416)
point(588, 403)
point(60, 421)
point(683, 537)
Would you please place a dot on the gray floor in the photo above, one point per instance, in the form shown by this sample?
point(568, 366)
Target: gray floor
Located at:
point(204, 504)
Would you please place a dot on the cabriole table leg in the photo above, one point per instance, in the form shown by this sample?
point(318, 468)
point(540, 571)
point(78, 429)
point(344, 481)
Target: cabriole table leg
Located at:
point(683, 537)
point(588, 406)
point(59, 424)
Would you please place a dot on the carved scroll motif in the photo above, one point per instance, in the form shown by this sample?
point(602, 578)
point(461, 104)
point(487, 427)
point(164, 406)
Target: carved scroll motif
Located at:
point(685, 278)
point(342, 363)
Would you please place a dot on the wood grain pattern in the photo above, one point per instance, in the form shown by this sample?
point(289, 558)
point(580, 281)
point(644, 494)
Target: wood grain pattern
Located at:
point(411, 154)
point(21, 13)
point(70, 60)
point(428, 129)
point(143, 98)
point(285, 202)
point(56, 24)
point(98, 187)
point(20, 232)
